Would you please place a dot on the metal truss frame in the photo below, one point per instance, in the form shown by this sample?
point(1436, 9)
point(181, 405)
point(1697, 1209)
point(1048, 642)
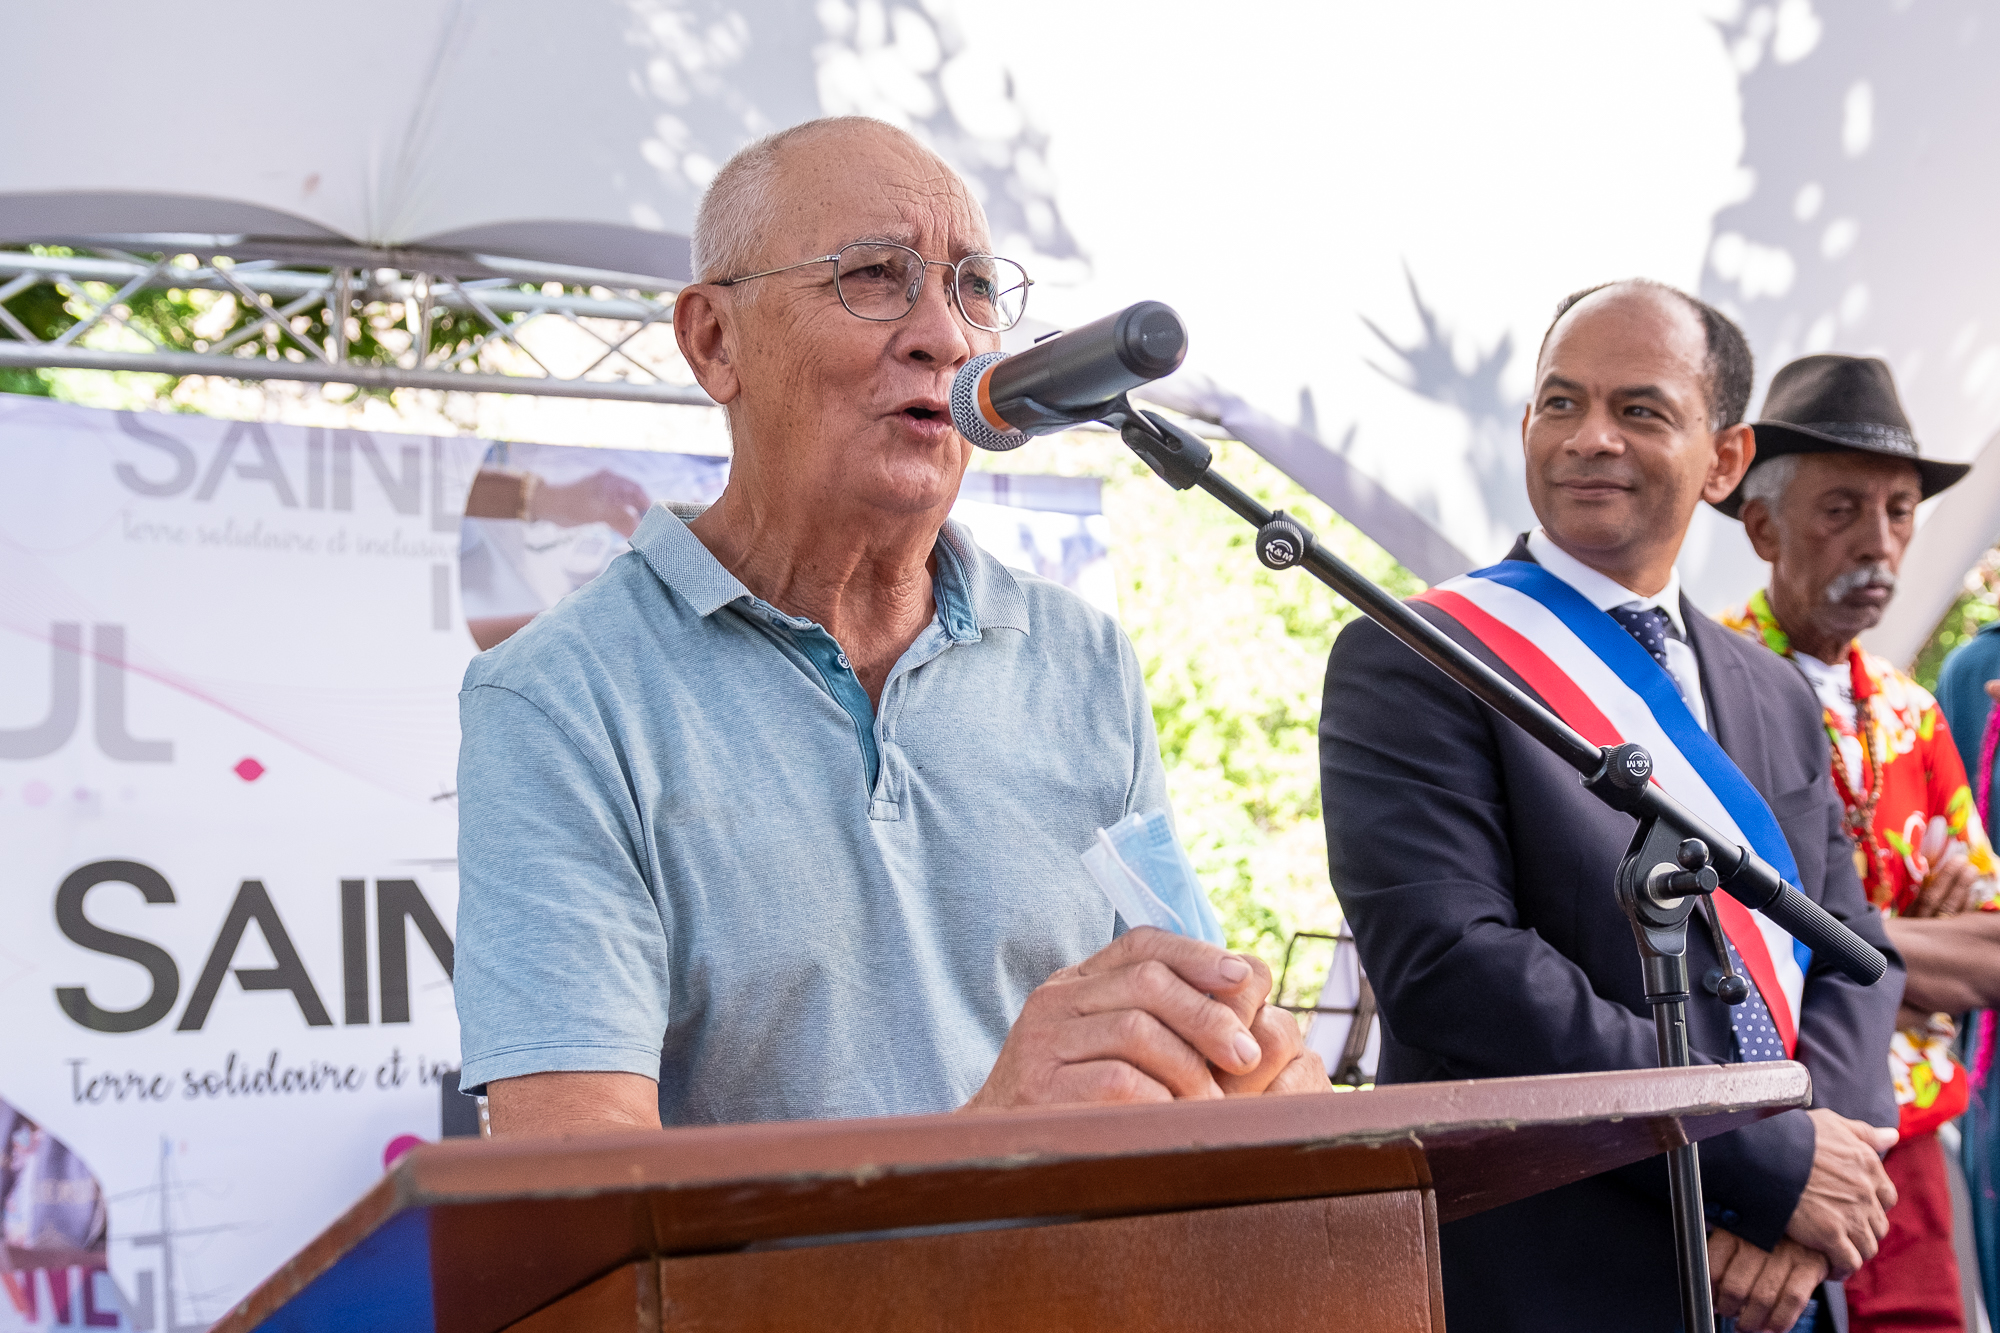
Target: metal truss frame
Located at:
point(291, 288)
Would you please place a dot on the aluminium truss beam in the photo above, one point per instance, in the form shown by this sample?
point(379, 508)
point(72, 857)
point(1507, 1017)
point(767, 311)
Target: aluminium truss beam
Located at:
point(286, 284)
point(48, 356)
point(282, 283)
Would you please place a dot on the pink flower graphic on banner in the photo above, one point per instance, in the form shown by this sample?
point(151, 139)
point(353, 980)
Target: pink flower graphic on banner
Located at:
point(399, 1145)
point(248, 769)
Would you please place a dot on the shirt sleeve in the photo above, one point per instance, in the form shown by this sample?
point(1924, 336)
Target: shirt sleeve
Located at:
point(561, 950)
point(1148, 791)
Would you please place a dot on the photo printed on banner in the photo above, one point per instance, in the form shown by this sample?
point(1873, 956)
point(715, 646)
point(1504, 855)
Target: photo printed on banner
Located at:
point(542, 520)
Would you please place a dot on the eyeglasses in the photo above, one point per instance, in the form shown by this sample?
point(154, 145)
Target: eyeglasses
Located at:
point(879, 281)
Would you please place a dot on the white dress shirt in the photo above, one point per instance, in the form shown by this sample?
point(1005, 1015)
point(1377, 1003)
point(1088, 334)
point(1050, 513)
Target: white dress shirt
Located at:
point(1834, 684)
point(1606, 593)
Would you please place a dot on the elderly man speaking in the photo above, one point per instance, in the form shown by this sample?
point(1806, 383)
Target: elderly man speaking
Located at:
point(1831, 502)
point(780, 817)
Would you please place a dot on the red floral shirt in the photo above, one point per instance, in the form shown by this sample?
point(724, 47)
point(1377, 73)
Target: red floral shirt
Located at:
point(1902, 757)
point(1908, 807)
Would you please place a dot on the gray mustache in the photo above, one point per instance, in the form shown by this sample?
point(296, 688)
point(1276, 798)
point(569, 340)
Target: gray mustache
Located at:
point(1854, 580)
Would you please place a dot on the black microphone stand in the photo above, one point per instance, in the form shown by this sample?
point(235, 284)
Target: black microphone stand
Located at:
point(1675, 860)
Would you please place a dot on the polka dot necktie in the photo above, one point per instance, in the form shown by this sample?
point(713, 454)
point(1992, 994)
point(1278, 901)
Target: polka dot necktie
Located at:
point(1650, 626)
point(1756, 1033)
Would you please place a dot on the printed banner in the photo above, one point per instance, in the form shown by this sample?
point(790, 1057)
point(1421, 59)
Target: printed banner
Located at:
point(230, 655)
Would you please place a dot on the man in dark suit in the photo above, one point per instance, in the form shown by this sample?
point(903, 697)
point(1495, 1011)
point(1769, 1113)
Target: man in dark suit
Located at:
point(1477, 872)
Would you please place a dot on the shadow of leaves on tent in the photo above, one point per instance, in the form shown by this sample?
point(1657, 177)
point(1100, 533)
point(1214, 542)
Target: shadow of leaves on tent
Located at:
point(1864, 224)
point(912, 66)
point(1429, 368)
point(718, 73)
point(1864, 227)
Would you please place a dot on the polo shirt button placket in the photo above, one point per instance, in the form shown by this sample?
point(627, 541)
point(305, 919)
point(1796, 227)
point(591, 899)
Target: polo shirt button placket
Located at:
point(890, 786)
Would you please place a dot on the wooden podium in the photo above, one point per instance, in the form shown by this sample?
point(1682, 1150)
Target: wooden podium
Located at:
point(1286, 1212)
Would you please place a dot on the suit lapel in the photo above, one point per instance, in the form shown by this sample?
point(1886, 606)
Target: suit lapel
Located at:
point(1735, 720)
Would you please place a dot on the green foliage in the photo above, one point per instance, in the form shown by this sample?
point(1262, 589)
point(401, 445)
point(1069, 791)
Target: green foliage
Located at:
point(42, 310)
point(1978, 604)
point(1235, 658)
point(197, 319)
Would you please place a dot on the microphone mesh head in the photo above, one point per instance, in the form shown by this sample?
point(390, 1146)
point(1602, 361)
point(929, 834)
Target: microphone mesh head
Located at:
point(965, 413)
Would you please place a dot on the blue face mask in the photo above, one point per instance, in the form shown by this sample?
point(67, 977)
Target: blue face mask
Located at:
point(1145, 872)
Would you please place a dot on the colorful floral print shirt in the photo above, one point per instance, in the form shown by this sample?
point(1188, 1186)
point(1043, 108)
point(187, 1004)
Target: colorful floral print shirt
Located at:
point(1896, 754)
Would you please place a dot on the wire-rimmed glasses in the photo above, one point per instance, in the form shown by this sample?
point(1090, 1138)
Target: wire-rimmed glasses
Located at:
point(881, 281)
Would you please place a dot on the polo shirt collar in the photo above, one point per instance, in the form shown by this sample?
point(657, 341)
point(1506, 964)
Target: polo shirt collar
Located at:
point(1600, 590)
point(679, 560)
point(973, 591)
point(985, 591)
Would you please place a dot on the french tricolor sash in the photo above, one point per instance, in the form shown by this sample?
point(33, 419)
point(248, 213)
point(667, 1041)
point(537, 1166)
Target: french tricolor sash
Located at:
point(1597, 678)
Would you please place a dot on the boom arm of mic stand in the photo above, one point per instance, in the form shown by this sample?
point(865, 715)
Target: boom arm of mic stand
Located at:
point(1182, 459)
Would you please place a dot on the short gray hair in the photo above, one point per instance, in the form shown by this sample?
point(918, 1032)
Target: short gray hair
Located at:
point(1768, 481)
point(731, 225)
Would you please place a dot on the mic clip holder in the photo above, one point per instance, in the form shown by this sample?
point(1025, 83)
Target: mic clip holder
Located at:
point(1177, 455)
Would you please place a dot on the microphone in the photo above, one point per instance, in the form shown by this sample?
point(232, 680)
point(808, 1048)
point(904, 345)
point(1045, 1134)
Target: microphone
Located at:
point(998, 401)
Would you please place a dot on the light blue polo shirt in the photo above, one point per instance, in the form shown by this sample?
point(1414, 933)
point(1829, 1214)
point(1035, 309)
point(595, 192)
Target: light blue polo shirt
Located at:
point(689, 848)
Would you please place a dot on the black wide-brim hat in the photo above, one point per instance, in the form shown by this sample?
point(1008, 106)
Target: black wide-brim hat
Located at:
point(1830, 404)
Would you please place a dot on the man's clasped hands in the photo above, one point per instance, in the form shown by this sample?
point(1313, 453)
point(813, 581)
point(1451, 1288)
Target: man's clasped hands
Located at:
point(1151, 1017)
point(1156, 1017)
point(1837, 1226)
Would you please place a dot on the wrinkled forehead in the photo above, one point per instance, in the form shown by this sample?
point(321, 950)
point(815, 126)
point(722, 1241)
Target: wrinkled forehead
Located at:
point(1849, 470)
point(872, 185)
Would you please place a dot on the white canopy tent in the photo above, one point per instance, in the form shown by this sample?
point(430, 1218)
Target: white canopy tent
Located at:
point(1365, 213)
point(578, 134)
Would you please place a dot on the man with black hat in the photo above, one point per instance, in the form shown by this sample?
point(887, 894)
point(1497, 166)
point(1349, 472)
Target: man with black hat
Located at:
point(1831, 502)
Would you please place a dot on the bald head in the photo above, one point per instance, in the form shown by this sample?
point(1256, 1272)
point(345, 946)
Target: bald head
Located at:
point(1726, 362)
point(769, 182)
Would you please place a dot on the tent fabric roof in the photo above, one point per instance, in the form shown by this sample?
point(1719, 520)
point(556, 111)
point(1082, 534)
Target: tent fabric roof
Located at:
point(579, 134)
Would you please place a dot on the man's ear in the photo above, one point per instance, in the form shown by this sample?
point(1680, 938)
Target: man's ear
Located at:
point(1762, 530)
point(704, 328)
point(1735, 450)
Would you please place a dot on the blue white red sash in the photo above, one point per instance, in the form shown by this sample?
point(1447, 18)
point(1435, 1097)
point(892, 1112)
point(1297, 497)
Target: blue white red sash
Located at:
point(1597, 678)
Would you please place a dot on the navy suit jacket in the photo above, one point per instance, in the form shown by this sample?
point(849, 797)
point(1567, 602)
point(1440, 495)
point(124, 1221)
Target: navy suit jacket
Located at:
point(1477, 874)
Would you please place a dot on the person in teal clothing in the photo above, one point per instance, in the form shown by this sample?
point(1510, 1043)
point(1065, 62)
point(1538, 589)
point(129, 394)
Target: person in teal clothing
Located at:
point(1963, 695)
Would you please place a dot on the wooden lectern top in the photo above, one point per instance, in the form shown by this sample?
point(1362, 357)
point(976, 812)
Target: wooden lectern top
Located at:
point(469, 1236)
